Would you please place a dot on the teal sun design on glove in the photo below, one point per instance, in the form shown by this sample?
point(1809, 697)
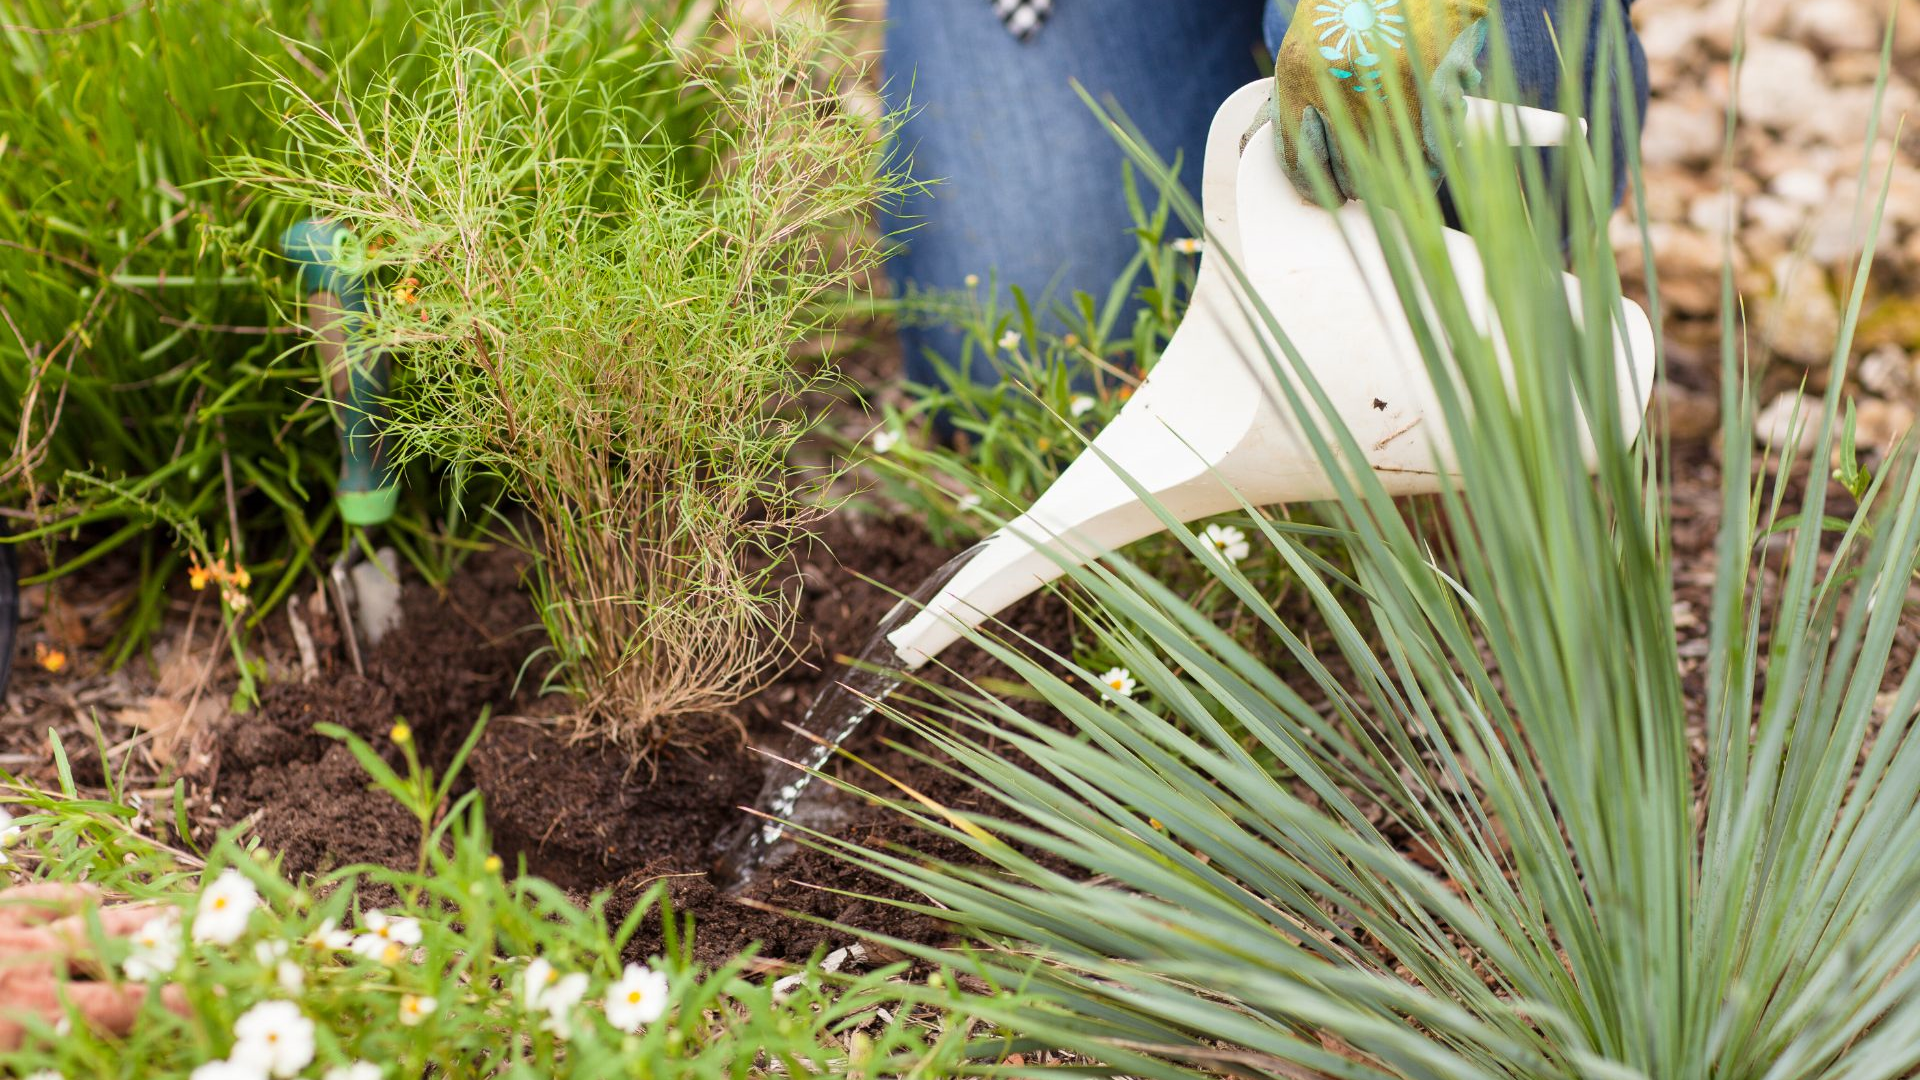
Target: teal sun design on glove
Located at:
point(1352, 34)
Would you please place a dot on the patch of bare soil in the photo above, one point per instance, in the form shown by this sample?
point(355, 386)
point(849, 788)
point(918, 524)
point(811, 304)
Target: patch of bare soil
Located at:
point(578, 813)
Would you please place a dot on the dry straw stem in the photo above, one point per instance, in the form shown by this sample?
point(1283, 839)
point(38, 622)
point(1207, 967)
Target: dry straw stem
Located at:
point(617, 243)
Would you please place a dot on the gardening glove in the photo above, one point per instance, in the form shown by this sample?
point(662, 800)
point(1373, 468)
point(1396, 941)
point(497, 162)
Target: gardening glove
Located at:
point(1366, 49)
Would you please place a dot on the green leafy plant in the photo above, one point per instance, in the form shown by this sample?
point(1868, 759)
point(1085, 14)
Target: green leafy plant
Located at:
point(603, 258)
point(424, 794)
point(473, 973)
point(1850, 473)
point(1489, 849)
point(141, 364)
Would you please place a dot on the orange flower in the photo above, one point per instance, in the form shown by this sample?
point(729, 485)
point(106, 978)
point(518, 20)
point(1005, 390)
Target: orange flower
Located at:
point(198, 576)
point(49, 658)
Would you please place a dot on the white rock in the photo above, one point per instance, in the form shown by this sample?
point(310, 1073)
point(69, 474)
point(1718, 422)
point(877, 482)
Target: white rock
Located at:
point(1803, 316)
point(1721, 18)
point(1775, 216)
point(1771, 159)
point(1887, 371)
point(1671, 36)
point(1841, 117)
point(1714, 213)
point(1878, 425)
point(1807, 187)
point(1781, 85)
point(1903, 193)
point(1838, 230)
point(1682, 131)
point(1778, 421)
point(1835, 25)
point(1689, 263)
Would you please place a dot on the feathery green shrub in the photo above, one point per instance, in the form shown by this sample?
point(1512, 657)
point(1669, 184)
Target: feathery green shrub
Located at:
point(601, 261)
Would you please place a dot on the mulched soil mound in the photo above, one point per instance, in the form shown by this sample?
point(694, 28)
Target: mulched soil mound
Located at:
point(580, 814)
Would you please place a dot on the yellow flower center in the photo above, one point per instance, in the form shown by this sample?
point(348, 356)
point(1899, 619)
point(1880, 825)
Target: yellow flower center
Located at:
point(1117, 683)
point(633, 997)
point(219, 903)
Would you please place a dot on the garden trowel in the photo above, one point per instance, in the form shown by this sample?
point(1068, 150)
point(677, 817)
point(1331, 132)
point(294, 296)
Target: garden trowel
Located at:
point(1208, 427)
point(355, 375)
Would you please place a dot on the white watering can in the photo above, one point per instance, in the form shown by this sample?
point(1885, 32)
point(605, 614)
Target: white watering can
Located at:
point(1210, 426)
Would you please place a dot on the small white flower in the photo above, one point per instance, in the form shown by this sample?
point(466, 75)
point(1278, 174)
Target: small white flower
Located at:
point(359, 1070)
point(968, 503)
point(885, 440)
point(534, 981)
point(387, 937)
point(156, 949)
point(561, 1001)
point(274, 1036)
point(225, 907)
point(288, 974)
point(1188, 245)
point(1010, 340)
point(544, 988)
point(414, 1008)
point(328, 935)
point(1080, 406)
point(1119, 680)
point(640, 997)
point(1226, 542)
point(973, 281)
point(8, 832)
point(229, 1070)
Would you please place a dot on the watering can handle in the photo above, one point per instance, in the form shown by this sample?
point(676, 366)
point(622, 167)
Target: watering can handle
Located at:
point(1522, 125)
point(357, 375)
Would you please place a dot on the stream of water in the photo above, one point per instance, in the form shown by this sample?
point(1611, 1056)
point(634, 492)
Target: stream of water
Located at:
point(742, 852)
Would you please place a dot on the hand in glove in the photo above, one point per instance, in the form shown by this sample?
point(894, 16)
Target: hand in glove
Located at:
point(1363, 48)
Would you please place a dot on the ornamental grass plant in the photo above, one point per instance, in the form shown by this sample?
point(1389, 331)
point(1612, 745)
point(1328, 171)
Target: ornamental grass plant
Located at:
point(601, 238)
point(1487, 848)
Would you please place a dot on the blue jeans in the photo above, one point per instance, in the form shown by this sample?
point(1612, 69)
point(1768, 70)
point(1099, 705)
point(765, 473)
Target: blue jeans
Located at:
point(1029, 182)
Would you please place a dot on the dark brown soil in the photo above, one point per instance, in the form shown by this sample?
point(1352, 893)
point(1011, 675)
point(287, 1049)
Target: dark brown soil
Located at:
point(580, 814)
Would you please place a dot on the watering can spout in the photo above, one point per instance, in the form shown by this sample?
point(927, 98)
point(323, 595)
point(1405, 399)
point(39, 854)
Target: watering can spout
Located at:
point(1207, 430)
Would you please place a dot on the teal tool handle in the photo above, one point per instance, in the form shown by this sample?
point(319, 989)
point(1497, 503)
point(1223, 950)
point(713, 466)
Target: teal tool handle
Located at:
point(357, 372)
